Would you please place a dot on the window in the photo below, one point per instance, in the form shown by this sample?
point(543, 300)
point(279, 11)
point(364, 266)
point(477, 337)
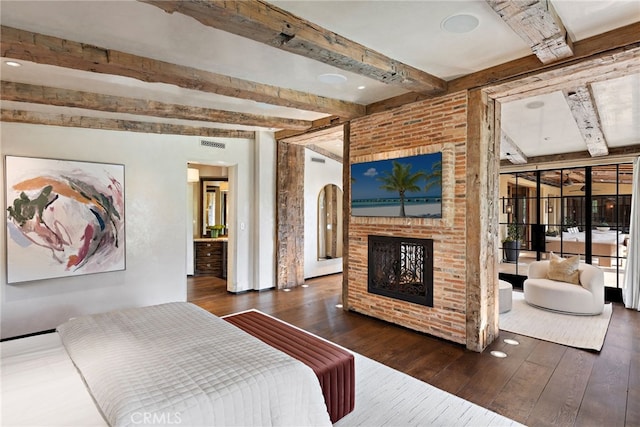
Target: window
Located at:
point(581, 211)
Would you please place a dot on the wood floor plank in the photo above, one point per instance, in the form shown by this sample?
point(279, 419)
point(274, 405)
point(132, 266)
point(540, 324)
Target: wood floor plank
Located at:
point(538, 384)
point(428, 366)
point(559, 403)
point(489, 381)
point(547, 354)
point(605, 397)
point(633, 398)
point(519, 396)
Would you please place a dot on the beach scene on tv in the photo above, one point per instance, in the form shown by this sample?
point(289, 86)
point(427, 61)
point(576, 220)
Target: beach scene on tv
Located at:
point(403, 187)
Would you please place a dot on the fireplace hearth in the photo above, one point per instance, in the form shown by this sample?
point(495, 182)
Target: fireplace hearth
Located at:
point(401, 268)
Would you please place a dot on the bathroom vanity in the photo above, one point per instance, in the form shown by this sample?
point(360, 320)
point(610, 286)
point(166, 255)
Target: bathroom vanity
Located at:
point(210, 256)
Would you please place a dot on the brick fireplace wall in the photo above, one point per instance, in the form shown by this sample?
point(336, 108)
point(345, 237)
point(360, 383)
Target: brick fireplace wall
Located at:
point(432, 125)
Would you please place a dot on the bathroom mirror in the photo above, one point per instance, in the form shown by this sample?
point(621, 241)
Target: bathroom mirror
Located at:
point(330, 222)
point(215, 207)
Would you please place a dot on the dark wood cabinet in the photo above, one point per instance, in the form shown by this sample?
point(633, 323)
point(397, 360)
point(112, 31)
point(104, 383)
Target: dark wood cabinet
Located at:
point(211, 257)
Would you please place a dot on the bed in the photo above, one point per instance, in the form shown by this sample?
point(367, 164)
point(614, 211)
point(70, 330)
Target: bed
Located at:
point(170, 364)
point(334, 366)
point(603, 244)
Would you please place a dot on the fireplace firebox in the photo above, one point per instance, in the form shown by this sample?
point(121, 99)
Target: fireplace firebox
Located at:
point(401, 268)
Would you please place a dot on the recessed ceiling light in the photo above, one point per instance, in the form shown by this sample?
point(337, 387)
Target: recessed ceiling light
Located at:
point(511, 341)
point(287, 289)
point(338, 305)
point(332, 78)
point(305, 285)
point(460, 24)
point(499, 354)
point(533, 105)
point(13, 64)
point(361, 87)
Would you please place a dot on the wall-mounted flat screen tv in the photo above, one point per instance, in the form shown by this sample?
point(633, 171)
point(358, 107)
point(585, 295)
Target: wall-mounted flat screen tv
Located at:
point(402, 187)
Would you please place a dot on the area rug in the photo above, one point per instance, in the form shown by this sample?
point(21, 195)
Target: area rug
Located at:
point(387, 397)
point(587, 332)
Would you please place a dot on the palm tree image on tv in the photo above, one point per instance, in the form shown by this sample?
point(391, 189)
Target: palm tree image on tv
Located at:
point(434, 178)
point(404, 187)
point(401, 180)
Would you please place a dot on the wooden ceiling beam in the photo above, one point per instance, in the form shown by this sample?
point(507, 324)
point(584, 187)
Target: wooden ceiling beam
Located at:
point(577, 159)
point(511, 149)
point(317, 125)
point(324, 152)
point(31, 117)
point(394, 102)
point(265, 23)
point(583, 108)
point(49, 50)
point(599, 67)
point(325, 135)
point(21, 92)
point(601, 44)
point(538, 25)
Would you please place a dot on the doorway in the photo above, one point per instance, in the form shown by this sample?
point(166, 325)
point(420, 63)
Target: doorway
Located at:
point(210, 217)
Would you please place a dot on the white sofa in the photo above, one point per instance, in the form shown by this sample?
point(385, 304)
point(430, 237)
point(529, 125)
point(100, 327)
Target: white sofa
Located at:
point(586, 298)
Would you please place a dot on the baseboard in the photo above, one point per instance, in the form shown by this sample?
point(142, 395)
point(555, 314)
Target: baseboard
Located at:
point(612, 294)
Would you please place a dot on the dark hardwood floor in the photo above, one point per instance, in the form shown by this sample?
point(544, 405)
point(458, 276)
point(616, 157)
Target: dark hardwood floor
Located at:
point(538, 384)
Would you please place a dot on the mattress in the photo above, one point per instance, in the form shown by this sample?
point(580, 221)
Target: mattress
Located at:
point(333, 365)
point(178, 364)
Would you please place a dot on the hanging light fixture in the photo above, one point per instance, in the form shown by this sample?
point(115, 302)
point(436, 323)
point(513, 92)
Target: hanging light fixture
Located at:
point(506, 206)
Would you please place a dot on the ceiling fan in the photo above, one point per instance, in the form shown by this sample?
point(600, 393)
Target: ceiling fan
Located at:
point(568, 181)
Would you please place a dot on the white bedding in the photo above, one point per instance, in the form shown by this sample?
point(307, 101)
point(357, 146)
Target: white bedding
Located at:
point(178, 364)
point(41, 387)
point(612, 237)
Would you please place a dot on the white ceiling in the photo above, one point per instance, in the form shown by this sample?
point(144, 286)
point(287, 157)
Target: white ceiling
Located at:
point(409, 31)
point(618, 103)
point(549, 129)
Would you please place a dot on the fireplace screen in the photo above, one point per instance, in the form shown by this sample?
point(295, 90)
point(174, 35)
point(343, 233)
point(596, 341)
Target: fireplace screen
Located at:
point(401, 268)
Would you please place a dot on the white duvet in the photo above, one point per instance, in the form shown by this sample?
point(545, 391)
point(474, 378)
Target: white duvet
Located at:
point(176, 364)
point(612, 237)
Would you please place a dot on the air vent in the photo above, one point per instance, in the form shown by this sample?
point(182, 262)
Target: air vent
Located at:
point(317, 160)
point(212, 144)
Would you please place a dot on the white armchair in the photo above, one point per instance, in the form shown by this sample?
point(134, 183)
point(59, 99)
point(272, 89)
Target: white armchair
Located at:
point(586, 298)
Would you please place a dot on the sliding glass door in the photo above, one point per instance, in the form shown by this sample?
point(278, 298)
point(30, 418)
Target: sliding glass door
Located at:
point(581, 211)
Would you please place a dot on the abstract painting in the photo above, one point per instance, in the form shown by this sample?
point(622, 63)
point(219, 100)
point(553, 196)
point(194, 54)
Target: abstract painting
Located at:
point(403, 187)
point(64, 218)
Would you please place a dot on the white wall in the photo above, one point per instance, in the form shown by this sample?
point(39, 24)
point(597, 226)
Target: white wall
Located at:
point(265, 212)
point(316, 176)
point(156, 241)
point(191, 227)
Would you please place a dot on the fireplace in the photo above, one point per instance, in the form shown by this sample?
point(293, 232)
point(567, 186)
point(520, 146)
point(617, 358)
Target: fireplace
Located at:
point(401, 268)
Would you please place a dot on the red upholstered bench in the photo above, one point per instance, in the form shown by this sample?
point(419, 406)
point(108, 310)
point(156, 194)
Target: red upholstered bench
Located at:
point(333, 366)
